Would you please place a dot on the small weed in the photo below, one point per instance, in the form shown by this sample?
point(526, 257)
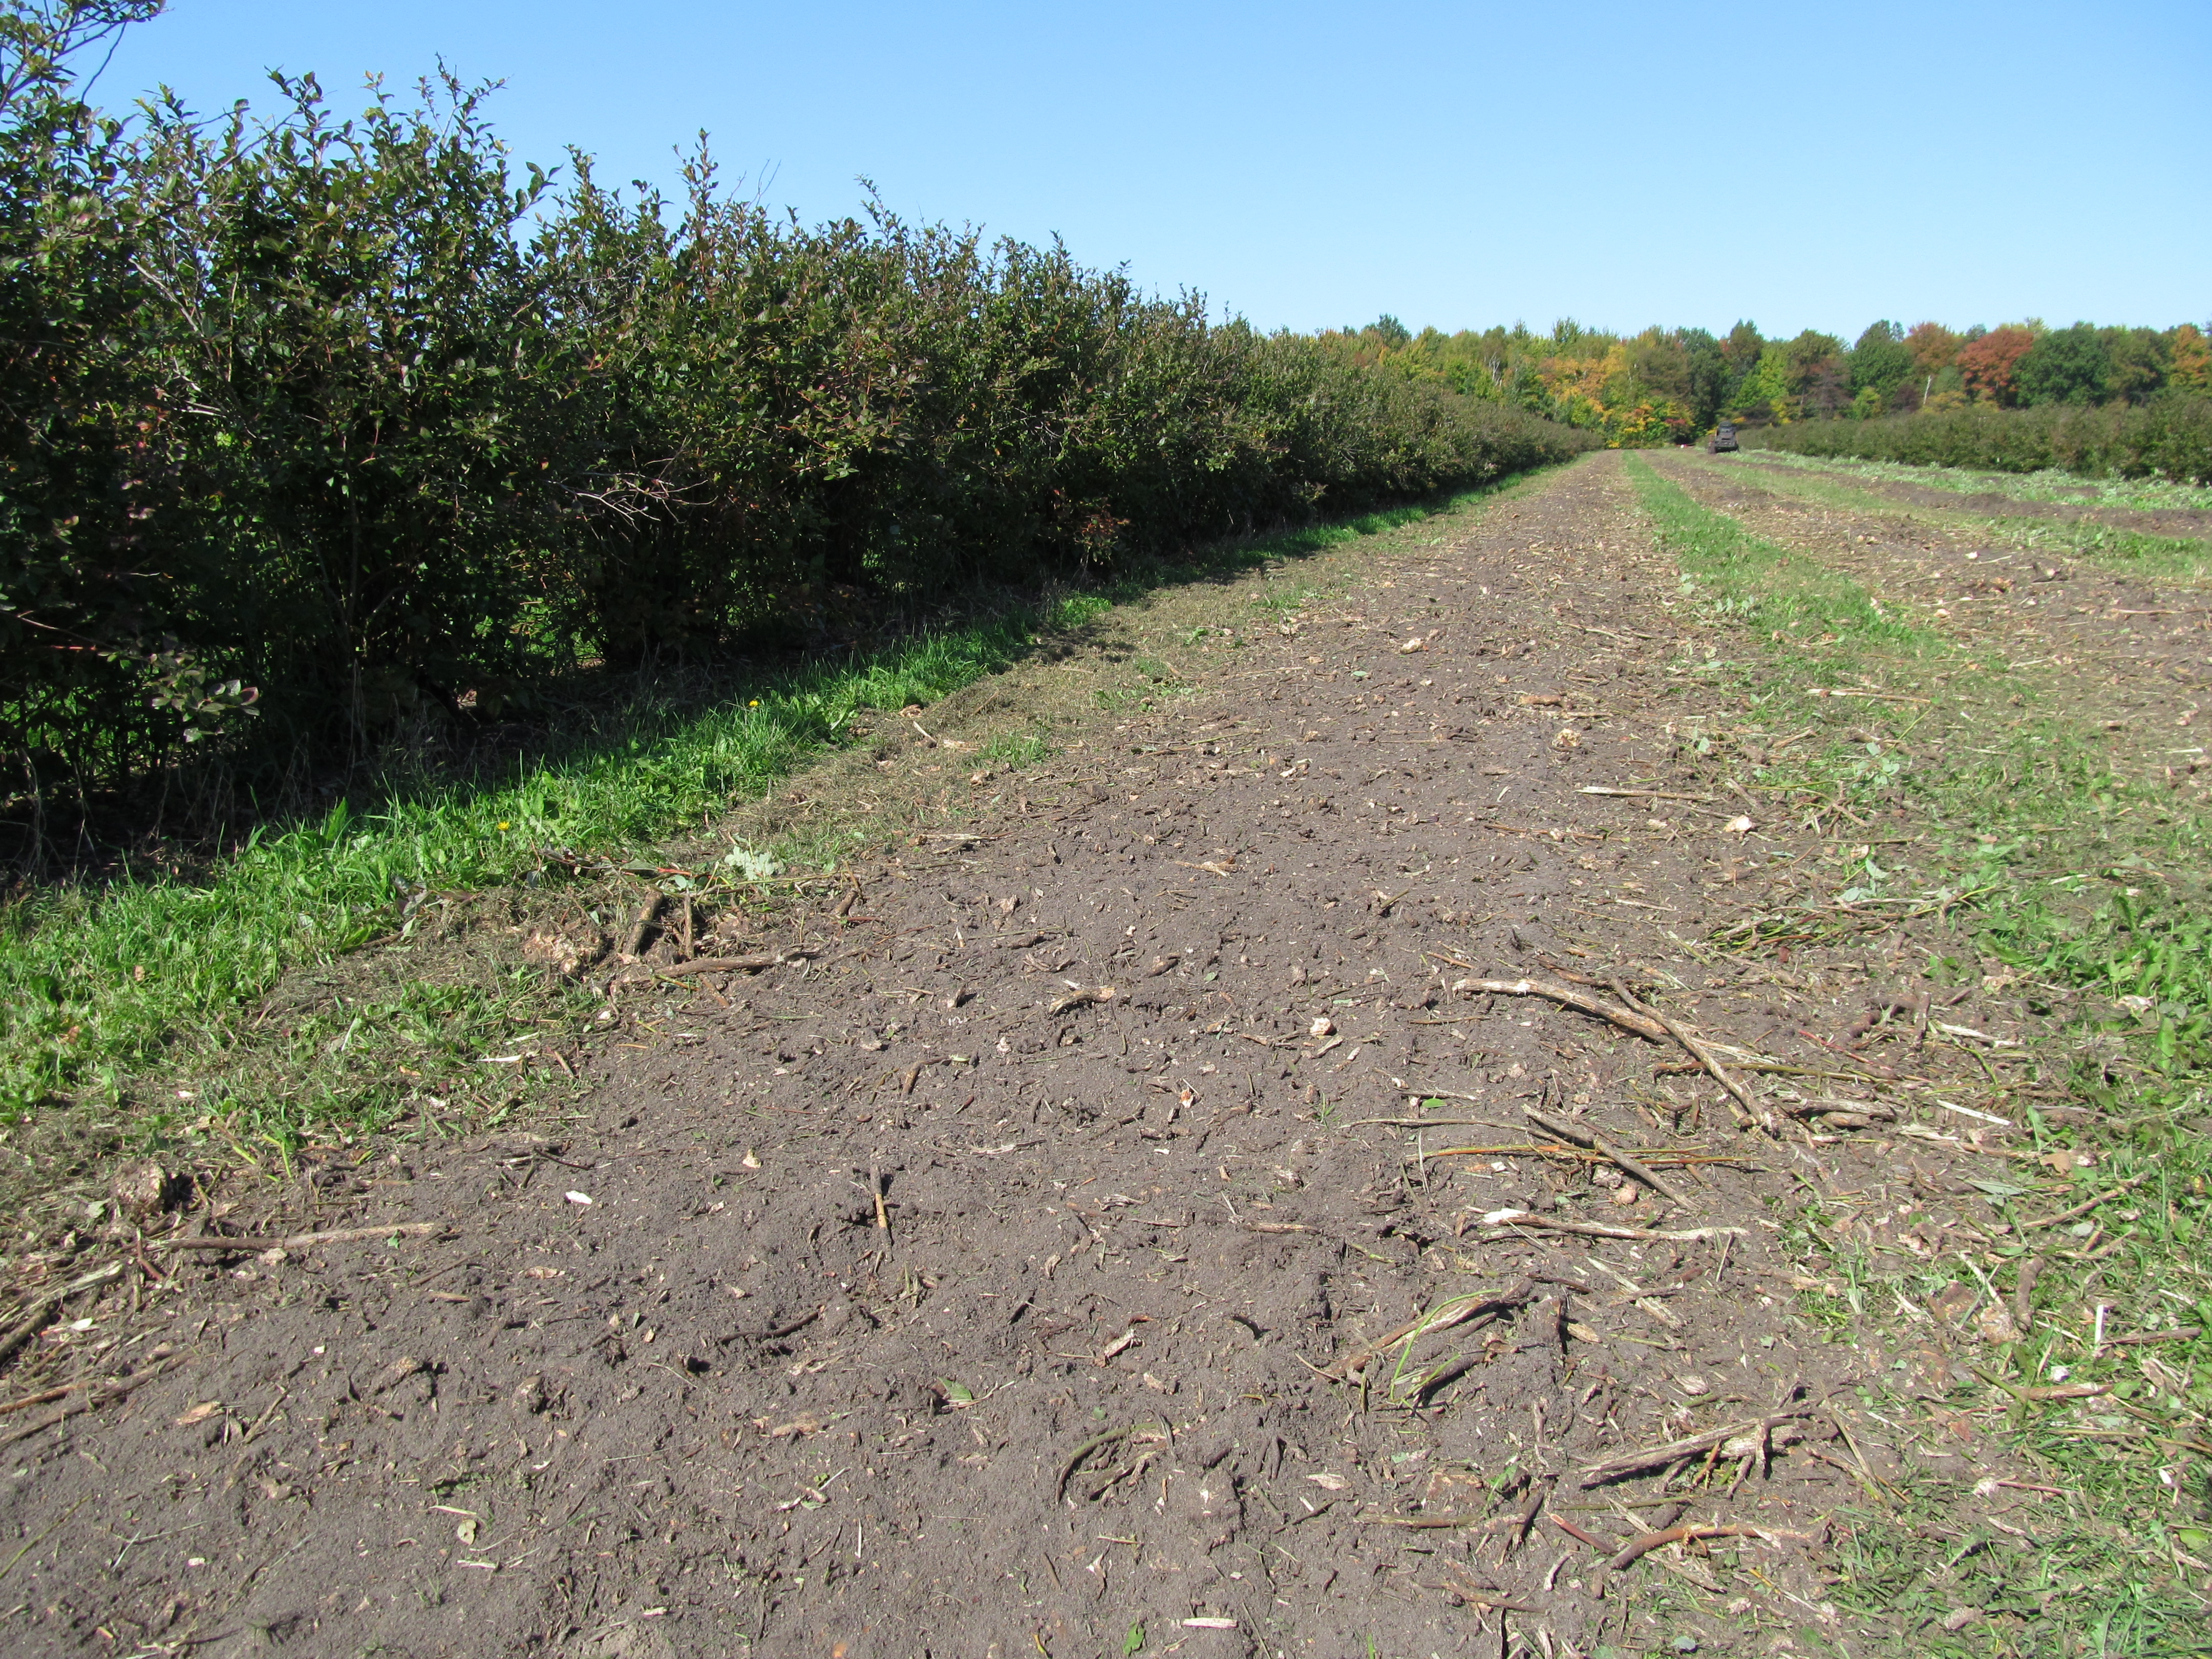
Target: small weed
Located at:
point(1016, 748)
point(1284, 600)
point(1078, 610)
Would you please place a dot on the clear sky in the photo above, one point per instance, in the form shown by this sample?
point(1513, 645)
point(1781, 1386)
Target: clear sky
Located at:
point(1810, 165)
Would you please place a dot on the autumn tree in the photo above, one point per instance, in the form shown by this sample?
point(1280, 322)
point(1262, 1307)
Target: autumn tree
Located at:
point(1818, 375)
point(2189, 358)
point(1990, 362)
point(1935, 352)
point(1933, 347)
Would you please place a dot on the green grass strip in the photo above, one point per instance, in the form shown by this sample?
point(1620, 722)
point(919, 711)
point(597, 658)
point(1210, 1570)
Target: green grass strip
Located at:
point(2090, 889)
point(94, 983)
point(2052, 484)
point(1730, 575)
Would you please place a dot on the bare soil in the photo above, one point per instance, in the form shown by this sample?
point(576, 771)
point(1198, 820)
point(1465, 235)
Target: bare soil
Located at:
point(1024, 1262)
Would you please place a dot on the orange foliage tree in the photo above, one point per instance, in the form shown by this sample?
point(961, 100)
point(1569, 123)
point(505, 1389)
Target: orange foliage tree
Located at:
point(1988, 363)
point(1932, 346)
point(2188, 359)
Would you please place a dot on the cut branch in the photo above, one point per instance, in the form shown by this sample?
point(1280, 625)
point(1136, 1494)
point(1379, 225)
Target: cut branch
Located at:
point(1578, 1136)
point(1652, 1457)
point(308, 1241)
point(1598, 1229)
point(1639, 1020)
point(1739, 1096)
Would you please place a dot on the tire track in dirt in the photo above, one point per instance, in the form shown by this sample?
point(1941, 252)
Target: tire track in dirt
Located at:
point(914, 1293)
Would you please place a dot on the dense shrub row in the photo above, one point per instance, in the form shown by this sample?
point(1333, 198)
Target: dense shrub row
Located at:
point(2170, 436)
point(336, 418)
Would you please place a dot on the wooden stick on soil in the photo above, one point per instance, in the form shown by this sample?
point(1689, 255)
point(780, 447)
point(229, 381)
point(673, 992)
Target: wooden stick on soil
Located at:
point(1439, 1522)
point(876, 1192)
point(1436, 1319)
point(308, 1241)
point(1636, 1548)
point(1652, 1456)
point(1598, 1229)
point(42, 1397)
point(1639, 1020)
point(1527, 1518)
point(91, 1400)
point(2124, 1187)
point(1578, 1136)
point(723, 965)
point(641, 923)
point(41, 1310)
point(1428, 1123)
point(1074, 1459)
point(1575, 1532)
point(1739, 1098)
point(1097, 994)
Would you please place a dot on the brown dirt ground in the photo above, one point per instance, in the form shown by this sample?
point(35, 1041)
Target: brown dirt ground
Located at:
point(662, 1376)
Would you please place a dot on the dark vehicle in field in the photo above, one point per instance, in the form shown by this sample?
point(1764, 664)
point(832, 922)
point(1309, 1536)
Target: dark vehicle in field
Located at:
point(1724, 439)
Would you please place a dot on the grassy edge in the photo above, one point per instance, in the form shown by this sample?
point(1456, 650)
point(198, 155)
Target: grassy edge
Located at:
point(99, 989)
point(2118, 943)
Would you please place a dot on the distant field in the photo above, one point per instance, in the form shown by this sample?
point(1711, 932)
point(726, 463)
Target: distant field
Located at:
point(2051, 484)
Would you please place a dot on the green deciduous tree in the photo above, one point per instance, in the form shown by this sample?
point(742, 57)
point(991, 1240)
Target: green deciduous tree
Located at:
point(1881, 362)
point(2064, 366)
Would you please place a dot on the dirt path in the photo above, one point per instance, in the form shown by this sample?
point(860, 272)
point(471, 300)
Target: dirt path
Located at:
point(1024, 1262)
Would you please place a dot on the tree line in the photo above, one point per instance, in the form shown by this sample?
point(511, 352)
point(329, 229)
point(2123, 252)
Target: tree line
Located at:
point(1671, 385)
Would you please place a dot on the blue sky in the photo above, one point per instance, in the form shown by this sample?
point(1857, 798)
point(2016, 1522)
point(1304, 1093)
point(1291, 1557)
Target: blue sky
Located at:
point(1310, 166)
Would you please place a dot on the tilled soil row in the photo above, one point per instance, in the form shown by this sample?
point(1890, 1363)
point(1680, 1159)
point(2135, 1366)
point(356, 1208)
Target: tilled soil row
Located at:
point(2147, 521)
point(2108, 641)
point(1076, 1240)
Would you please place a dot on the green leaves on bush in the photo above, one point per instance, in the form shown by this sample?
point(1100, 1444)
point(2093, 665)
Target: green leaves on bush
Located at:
point(340, 420)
